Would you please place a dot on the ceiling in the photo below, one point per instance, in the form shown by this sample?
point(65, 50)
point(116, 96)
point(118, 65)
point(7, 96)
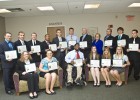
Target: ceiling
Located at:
point(66, 7)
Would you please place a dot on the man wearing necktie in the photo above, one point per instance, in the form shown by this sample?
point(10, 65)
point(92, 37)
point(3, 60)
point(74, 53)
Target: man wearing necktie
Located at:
point(7, 65)
point(134, 56)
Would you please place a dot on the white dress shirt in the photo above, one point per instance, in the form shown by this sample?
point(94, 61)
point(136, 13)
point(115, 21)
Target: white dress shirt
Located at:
point(72, 37)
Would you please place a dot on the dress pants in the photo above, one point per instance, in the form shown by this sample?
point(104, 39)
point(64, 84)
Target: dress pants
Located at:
point(32, 81)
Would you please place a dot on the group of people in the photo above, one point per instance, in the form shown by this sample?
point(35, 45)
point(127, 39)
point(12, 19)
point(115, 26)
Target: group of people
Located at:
point(66, 59)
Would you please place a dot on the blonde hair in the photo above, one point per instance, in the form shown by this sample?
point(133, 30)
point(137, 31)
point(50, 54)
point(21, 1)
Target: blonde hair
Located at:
point(122, 54)
point(91, 53)
point(108, 55)
point(22, 56)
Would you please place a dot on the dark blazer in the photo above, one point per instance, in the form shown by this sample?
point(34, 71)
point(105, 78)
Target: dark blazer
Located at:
point(44, 46)
point(87, 50)
point(20, 67)
point(134, 55)
point(97, 57)
point(35, 57)
point(4, 47)
point(18, 43)
point(124, 36)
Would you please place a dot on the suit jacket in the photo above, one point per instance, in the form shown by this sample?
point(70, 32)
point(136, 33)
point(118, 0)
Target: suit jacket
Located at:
point(35, 57)
point(87, 50)
point(5, 63)
point(44, 46)
point(134, 55)
point(20, 67)
point(18, 43)
point(124, 36)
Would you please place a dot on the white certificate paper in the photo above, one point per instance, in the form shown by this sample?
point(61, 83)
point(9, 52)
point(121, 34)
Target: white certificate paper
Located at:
point(83, 44)
point(35, 48)
point(53, 47)
point(78, 62)
point(94, 63)
point(11, 54)
point(52, 66)
point(121, 42)
point(106, 62)
point(63, 44)
point(30, 67)
point(21, 48)
point(117, 62)
point(108, 43)
point(133, 47)
point(71, 43)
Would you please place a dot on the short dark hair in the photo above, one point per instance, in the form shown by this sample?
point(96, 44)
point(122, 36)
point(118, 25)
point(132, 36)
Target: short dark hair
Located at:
point(120, 28)
point(20, 32)
point(135, 30)
point(58, 30)
point(34, 33)
point(46, 34)
point(110, 29)
point(71, 28)
point(7, 33)
point(76, 44)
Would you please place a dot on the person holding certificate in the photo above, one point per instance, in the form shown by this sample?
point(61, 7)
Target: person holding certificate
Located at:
point(49, 75)
point(106, 66)
point(98, 43)
point(8, 65)
point(134, 54)
point(20, 43)
point(31, 77)
point(121, 63)
point(94, 68)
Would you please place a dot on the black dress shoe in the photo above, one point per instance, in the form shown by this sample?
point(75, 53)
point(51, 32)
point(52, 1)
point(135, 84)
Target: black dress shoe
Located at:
point(36, 96)
point(10, 92)
point(48, 93)
point(31, 97)
point(136, 77)
point(53, 92)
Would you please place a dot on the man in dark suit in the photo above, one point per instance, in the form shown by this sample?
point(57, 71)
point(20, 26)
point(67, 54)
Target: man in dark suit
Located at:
point(109, 37)
point(120, 36)
point(60, 53)
point(8, 66)
point(20, 41)
point(88, 38)
point(134, 56)
point(45, 45)
point(35, 56)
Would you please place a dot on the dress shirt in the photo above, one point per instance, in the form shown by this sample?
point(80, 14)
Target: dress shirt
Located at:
point(33, 42)
point(22, 42)
point(72, 37)
point(134, 41)
point(84, 36)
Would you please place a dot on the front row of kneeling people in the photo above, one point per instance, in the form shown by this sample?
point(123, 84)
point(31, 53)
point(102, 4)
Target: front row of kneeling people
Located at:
point(32, 78)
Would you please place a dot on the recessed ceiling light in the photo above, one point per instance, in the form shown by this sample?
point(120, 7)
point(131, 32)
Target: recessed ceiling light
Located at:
point(89, 6)
point(45, 8)
point(4, 11)
point(134, 5)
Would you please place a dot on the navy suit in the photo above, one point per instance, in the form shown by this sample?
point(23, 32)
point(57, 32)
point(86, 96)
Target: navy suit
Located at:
point(7, 66)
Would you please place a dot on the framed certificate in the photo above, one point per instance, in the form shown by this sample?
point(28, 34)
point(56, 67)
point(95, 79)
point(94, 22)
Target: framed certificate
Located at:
point(21, 48)
point(53, 47)
point(94, 63)
point(63, 44)
point(71, 43)
point(117, 62)
point(108, 43)
point(35, 48)
point(78, 62)
point(11, 54)
point(121, 42)
point(52, 66)
point(83, 44)
point(133, 47)
point(106, 62)
point(30, 67)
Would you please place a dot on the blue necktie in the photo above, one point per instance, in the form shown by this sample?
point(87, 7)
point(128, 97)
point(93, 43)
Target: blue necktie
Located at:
point(10, 45)
point(119, 37)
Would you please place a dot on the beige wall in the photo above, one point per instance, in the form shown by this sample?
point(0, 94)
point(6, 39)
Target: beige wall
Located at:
point(38, 23)
point(2, 28)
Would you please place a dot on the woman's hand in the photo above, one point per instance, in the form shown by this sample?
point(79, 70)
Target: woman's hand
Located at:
point(124, 65)
point(88, 65)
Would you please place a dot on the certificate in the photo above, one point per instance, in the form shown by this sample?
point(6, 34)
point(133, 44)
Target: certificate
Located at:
point(94, 63)
point(121, 42)
point(133, 47)
point(11, 54)
point(106, 62)
point(83, 44)
point(63, 44)
point(78, 62)
point(35, 49)
point(30, 67)
point(21, 48)
point(108, 43)
point(117, 62)
point(52, 66)
point(53, 47)
point(71, 43)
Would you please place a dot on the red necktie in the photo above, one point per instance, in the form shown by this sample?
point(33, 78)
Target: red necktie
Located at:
point(77, 55)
